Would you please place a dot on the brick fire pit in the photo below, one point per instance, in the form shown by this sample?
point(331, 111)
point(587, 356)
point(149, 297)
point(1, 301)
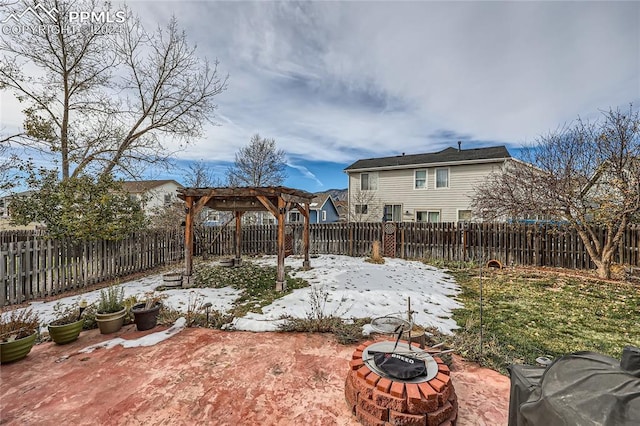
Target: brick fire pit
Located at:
point(376, 400)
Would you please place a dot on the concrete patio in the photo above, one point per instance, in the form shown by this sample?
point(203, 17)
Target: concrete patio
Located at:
point(203, 376)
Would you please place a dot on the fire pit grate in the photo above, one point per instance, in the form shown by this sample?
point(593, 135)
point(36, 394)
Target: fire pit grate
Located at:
point(402, 349)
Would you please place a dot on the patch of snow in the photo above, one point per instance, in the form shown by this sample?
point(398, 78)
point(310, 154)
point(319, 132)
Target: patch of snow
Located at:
point(345, 286)
point(148, 340)
point(354, 288)
point(221, 299)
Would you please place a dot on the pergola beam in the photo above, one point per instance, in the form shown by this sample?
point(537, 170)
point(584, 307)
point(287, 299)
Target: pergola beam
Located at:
point(268, 205)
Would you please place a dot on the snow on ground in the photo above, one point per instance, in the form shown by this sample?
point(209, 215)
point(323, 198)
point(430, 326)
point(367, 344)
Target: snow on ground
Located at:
point(345, 286)
point(148, 340)
point(221, 298)
point(356, 289)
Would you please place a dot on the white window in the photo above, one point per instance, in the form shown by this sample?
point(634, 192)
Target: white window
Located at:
point(442, 178)
point(167, 199)
point(324, 215)
point(430, 216)
point(368, 181)
point(392, 213)
point(464, 215)
point(420, 179)
point(295, 217)
point(362, 208)
point(268, 219)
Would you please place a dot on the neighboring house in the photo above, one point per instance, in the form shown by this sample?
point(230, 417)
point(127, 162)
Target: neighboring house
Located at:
point(5, 217)
point(6, 200)
point(431, 187)
point(342, 207)
point(4, 206)
point(322, 209)
point(153, 194)
point(259, 218)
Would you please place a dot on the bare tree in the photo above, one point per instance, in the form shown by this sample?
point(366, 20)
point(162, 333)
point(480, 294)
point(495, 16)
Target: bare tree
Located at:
point(105, 98)
point(587, 174)
point(364, 207)
point(199, 175)
point(258, 164)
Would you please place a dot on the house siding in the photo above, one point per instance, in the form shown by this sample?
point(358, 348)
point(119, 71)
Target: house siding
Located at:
point(332, 212)
point(397, 187)
point(154, 197)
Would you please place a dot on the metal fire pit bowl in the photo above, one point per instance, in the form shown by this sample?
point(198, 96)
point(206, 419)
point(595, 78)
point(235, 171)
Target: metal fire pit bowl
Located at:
point(403, 348)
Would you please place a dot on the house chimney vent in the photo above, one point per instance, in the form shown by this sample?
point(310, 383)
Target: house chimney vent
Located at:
point(459, 146)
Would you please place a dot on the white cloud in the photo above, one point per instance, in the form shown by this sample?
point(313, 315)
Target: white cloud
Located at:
point(338, 81)
point(304, 171)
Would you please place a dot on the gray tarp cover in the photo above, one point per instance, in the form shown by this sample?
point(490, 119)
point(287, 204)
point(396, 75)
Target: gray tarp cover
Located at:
point(583, 388)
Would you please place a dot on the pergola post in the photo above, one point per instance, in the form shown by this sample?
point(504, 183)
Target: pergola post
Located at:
point(238, 259)
point(188, 242)
point(276, 200)
point(306, 264)
point(281, 284)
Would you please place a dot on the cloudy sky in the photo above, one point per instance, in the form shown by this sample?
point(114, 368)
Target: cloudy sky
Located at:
point(333, 82)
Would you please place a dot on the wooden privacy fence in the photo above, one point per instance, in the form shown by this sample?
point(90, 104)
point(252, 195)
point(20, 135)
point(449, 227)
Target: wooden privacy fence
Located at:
point(40, 267)
point(21, 235)
point(511, 244)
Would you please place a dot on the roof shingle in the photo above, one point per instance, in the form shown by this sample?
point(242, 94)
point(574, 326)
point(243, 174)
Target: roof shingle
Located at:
point(139, 186)
point(448, 155)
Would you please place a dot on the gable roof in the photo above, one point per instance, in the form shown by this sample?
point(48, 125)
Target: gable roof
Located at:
point(139, 186)
point(446, 156)
point(320, 200)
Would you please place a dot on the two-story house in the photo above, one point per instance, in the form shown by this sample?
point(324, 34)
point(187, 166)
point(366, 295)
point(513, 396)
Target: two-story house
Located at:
point(431, 187)
point(153, 194)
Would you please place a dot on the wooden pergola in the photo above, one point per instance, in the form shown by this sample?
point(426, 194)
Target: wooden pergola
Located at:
point(277, 200)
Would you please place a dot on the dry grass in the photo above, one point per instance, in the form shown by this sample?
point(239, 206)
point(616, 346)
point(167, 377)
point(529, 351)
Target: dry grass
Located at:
point(529, 313)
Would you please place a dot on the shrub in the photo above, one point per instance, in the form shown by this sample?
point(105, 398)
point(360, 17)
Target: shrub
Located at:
point(66, 315)
point(111, 300)
point(18, 324)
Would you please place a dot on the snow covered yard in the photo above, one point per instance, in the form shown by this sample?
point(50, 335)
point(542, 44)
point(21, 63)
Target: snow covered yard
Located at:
point(348, 287)
point(357, 289)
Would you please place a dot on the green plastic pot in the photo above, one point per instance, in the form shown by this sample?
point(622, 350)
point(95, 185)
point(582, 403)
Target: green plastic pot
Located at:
point(67, 333)
point(17, 349)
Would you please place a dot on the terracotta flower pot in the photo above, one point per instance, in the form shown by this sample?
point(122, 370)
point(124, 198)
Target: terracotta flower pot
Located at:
point(111, 322)
point(66, 333)
point(145, 319)
point(17, 349)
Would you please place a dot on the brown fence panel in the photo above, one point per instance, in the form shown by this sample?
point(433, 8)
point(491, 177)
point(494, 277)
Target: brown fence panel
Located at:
point(33, 266)
point(39, 267)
